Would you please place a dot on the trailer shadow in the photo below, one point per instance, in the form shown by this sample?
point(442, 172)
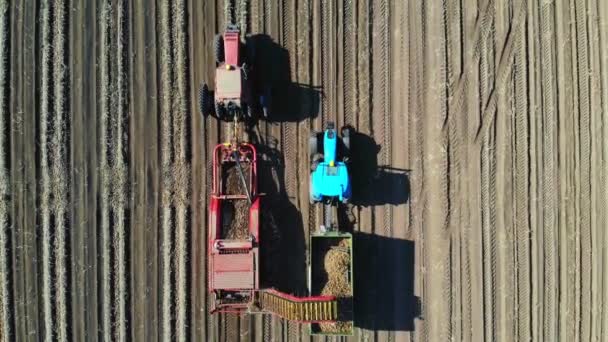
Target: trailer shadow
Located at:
point(384, 283)
point(373, 184)
point(283, 247)
point(289, 101)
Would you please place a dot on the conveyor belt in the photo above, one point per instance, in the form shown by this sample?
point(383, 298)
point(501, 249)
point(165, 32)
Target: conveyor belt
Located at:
point(302, 309)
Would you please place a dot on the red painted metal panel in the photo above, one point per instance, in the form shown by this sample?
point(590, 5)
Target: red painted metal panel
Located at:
point(231, 47)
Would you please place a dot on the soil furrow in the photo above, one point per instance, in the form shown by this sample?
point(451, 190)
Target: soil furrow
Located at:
point(58, 171)
point(416, 148)
point(167, 181)
point(45, 168)
point(603, 221)
point(536, 168)
point(119, 193)
point(438, 304)
point(486, 82)
point(595, 168)
point(181, 166)
point(522, 192)
point(567, 229)
point(106, 24)
point(5, 198)
point(549, 175)
point(585, 168)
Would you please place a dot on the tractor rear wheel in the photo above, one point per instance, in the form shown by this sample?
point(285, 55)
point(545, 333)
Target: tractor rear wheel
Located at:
point(219, 48)
point(219, 110)
point(205, 100)
point(316, 160)
point(313, 145)
point(346, 140)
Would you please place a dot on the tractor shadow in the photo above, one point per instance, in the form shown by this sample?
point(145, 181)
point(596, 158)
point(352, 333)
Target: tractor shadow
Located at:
point(282, 240)
point(384, 297)
point(372, 184)
point(290, 101)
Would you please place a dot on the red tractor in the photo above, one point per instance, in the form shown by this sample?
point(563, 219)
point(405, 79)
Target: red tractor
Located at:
point(236, 93)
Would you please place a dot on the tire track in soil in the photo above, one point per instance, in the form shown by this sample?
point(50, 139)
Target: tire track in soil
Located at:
point(567, 226)
point(603, 221)
point(521, 191)
point(349, 48)
point(416, 146)
point(595, 161)
point(381, 113)
point(200, 26)
point(438, 303)
point(585, 169)
point(535, 183)
point(549, 175)
point(59, 160)
point(144, 174)
point(454, 67)
point(504, 139)
point(45, 168)
point(486, 81)
point(106, 24)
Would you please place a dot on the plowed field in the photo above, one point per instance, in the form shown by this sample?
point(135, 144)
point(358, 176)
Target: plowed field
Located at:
point(479, 169)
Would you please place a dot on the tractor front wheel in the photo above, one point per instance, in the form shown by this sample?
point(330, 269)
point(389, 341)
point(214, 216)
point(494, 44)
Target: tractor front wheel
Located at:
point(205, 100)
point(219, 49)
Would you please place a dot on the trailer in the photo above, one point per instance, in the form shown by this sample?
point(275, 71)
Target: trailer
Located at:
point(330, 273)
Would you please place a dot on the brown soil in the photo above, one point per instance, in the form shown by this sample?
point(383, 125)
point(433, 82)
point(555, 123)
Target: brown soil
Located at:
point(235, 212)
point(497, 108)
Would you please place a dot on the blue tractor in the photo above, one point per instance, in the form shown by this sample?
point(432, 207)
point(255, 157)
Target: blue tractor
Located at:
point(329, 178)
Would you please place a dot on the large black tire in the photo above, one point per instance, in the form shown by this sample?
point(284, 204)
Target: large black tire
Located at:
point(219, 111)
point(250, 50)
point(205, 100)
point(250, 111)
point(346, 140)
point(266, 107)
point(316, 159)
point(313, 145)
point(219, 48)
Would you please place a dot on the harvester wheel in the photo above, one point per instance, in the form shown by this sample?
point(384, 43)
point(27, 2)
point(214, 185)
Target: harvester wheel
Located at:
point(266, 101)
point(219, 110)
point(205, 100)
point(219, 49)
point(250, 111)
point(313, 145)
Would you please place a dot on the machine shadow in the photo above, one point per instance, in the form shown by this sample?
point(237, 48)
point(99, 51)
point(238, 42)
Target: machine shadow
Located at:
point(290, 101)
point(373, 184)
point(384, 283)
point(283, 247)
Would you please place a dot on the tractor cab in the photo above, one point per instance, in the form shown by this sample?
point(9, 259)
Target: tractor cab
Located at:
point(329, 177)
